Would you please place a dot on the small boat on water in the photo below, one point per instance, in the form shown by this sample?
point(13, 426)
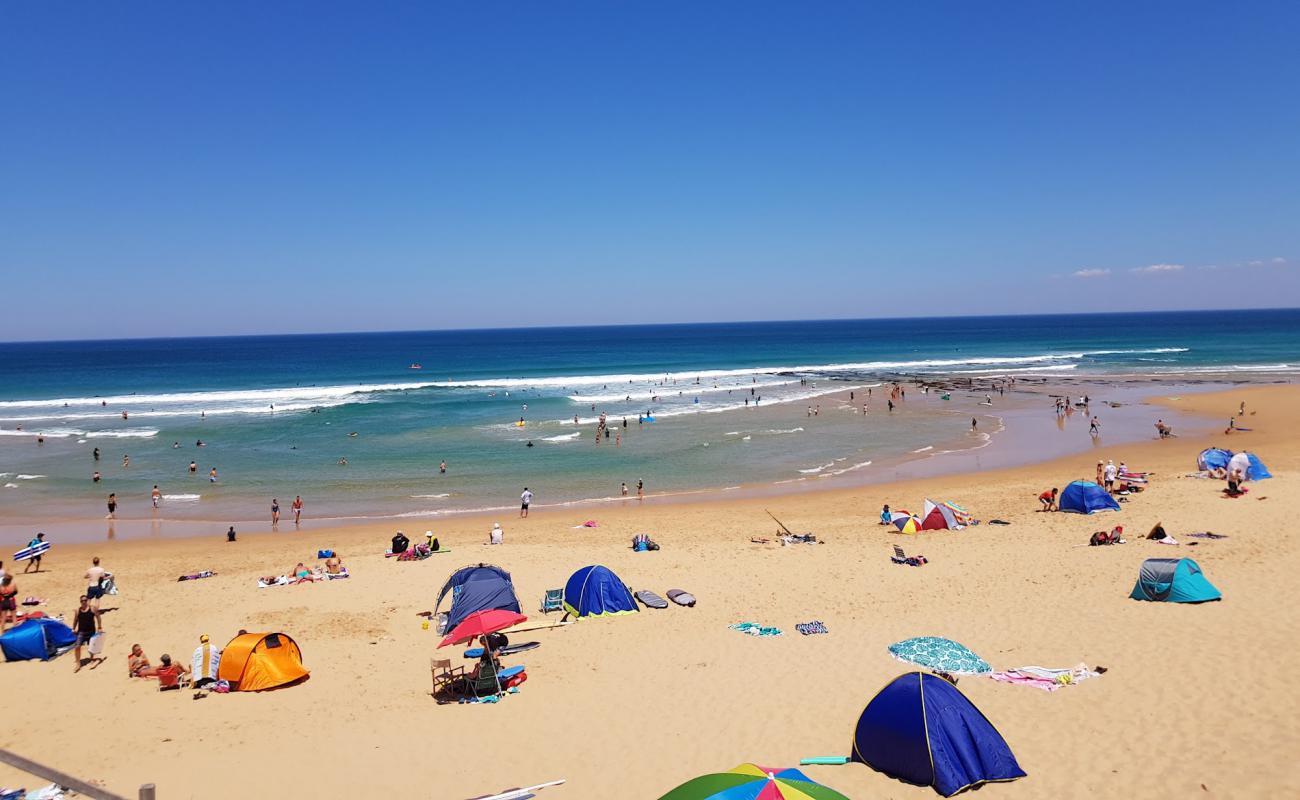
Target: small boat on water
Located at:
point(415, 366)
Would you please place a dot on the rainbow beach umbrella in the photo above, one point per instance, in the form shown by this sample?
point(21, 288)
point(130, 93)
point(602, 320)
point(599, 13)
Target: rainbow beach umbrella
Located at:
point(752, 782)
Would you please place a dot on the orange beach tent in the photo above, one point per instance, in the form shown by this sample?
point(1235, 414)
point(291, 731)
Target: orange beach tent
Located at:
point(256, 661)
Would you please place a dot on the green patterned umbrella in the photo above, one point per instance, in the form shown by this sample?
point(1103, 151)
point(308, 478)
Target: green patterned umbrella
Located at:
point(942, 655)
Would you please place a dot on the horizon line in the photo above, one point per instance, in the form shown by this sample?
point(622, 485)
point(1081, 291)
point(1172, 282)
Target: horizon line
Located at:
point(378, 332)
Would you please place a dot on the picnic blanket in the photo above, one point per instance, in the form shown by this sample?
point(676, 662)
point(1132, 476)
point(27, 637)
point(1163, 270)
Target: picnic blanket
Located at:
point(1049, 680)
point(207, 573)
point(754, 629)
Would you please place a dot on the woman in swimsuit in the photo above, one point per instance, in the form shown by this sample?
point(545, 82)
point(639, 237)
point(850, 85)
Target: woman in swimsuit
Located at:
point(8, 601)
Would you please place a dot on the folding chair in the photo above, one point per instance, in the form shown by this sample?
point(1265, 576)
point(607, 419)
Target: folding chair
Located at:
point(553, 600)
point(444, 674)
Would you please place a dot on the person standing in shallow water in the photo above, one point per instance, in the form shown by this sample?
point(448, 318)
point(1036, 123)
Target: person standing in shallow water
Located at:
point(297, 509)
point(275, 512)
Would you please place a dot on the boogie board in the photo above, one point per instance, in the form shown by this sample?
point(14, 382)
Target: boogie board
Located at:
point(681, 598)
point(31, 552)
point(651, 600)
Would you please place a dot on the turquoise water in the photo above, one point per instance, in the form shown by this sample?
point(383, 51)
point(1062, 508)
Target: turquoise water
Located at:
point(730, 403)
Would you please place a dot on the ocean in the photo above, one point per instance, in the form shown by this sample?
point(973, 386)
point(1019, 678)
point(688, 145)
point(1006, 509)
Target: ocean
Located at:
point(348, 422)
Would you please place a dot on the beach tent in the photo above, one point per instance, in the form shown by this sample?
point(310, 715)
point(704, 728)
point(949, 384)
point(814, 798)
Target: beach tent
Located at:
point(596, 592)
point(480, 587)
point(1086, 497)
point(1213, 458)
point(938, 517)
point(1250, 466)
point(1173, 580)
point(920, 729)
point(256, 661)
point(40, 638)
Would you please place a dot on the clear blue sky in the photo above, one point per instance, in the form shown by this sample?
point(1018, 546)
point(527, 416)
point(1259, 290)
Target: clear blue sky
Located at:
point(206, 168)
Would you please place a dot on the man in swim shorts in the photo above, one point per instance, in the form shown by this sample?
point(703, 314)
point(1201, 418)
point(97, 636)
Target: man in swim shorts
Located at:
point(525, 500)
point(95, 581)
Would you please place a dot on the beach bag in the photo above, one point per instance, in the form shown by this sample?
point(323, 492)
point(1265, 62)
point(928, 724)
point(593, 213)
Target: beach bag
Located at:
point(324, 553)
point(221, 687)
point(96, 645)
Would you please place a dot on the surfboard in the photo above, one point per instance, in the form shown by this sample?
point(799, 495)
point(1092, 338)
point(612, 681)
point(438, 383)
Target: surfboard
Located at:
point(681, 598)
point(651, 600)
point(649, 419)
point(31, 552)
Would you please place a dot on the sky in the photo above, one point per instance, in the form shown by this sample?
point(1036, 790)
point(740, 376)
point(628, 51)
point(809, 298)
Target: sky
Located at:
point(173, 169)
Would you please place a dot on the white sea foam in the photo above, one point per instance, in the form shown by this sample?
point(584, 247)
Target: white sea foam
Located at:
point(64, 433)
point(11, 486)
point(815, 470)
point(923, 449)
point(430, 496)
point(850, 468)
point(563, 437)
point(125, 433)
point(182, 498)
point(29, 477)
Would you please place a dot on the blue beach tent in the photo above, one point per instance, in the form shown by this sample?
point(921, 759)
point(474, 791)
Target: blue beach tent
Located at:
point(1086, 497)
point(1174, 580)
point(1256, 471)
point(596, 592)
point(920, 729)
point(477, 588)
point(40, 638)
point(1213, 458)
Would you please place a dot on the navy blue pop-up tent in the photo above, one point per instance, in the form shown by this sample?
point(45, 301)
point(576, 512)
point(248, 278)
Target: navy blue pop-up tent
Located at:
point(40, 638)
point(595, 591)
point(922, 730)
point(1086, 497)
point(477, 588)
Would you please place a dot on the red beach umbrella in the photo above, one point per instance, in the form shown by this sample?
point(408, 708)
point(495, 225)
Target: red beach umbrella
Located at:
point(481, 623)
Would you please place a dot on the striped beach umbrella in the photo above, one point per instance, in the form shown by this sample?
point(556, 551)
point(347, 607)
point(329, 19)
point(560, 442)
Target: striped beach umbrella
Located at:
point(752, 782)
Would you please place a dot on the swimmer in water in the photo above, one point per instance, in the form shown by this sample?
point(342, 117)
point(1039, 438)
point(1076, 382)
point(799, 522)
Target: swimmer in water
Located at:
point(343, 462)
point(530, 443)
point(354, 433)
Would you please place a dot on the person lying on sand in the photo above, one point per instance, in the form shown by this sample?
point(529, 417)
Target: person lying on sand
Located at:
point(137, 664)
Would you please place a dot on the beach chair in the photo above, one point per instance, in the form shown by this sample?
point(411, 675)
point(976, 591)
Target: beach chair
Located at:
point(444, 674)
point(899, 556)
point(484, 683)
point(553, 600)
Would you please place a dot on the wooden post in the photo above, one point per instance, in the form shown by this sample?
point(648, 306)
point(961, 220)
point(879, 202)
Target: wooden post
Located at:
point(61, 778)
point(147, 792)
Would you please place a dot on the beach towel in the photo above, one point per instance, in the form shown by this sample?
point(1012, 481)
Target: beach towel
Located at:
point(1049, 680)
point(207, 573)
point(1208, 535)
point(998, 522)
point(810, 628)
point(267, 582)
point(754, 629)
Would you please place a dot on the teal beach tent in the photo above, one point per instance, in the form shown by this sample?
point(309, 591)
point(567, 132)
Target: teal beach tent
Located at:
point(1174, 580)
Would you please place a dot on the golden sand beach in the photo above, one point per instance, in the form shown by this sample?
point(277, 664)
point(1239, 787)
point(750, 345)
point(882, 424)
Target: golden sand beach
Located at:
point(1198, 700)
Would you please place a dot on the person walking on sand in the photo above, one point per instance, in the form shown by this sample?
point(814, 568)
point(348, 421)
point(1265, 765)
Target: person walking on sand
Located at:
point(623, 489)
point(85, 624)
point(35, 561)
point(95, 582)
point(640, 489)
point(525, 500)
point(275, 512)
point(297, 509)
point(155, 496)
point(112, 505)
point(1109, 475)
